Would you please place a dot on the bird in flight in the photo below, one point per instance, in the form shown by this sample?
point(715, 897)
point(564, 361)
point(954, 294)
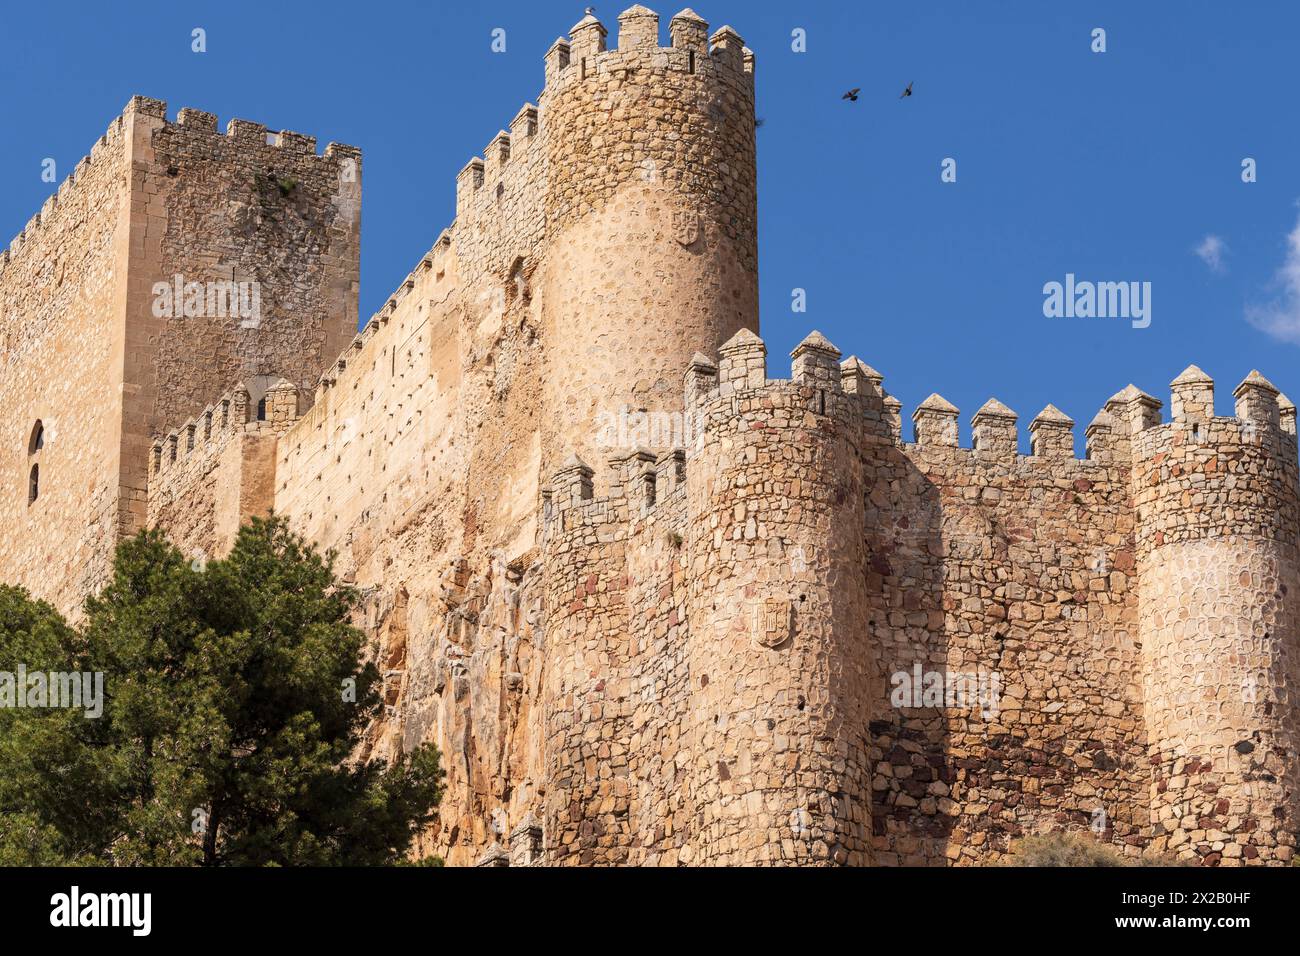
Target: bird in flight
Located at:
point(907, 92)
point(852, 94)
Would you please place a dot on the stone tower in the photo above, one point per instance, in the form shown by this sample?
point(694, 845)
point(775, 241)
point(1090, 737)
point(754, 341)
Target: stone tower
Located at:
point(174, 260)
point(1217, 502)
point(778, 655)
point(600, 240)
point(650, 211)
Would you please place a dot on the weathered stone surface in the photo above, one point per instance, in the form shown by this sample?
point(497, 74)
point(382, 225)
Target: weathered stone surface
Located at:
point(655, 607)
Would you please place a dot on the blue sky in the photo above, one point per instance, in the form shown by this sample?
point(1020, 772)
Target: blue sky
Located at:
point(1114, 166)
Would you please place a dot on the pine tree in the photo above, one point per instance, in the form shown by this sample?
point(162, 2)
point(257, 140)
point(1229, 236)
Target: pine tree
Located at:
point(236, 695)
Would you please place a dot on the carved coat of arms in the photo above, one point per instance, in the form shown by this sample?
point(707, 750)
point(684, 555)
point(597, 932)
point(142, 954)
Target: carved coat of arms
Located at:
point(686, 226)
point(773, 622)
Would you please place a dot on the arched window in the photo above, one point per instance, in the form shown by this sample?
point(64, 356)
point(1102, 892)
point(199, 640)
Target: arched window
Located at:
point(261, 410)
point(34, 445)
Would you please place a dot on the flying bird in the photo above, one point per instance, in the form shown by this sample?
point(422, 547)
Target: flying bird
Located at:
point(852, 94)
point(908, 91)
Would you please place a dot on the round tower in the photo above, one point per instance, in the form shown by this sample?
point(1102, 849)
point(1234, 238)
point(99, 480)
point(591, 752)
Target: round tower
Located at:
point(650, 217)
point(1219, 577)
point(778, 652)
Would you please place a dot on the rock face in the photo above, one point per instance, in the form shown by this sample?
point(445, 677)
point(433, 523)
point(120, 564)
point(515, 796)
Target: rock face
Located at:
point(656, 608)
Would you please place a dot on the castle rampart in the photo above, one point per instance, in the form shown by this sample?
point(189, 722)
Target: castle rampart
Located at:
point(778, 632)
point(217, 471)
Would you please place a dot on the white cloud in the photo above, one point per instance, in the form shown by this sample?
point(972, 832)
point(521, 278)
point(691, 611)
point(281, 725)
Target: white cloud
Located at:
point(1211, 251)
point(1280, 318)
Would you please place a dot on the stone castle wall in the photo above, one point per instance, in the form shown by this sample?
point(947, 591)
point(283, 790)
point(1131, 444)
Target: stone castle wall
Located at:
point(964, 561)
point(702, 650)
point(61, 365)
point(990, 562)
point(215, 472)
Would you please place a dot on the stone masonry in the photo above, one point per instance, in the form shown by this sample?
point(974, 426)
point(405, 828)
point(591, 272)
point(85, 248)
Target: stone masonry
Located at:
point(94, 358)
point(655, 607)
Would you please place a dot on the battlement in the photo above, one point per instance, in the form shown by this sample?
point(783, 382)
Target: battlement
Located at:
point(111, 142)
point(640, 484)
point(1263, 417)
point(232, 414)
point(431, 265)
point(854, 390)
point(690, 49)
point(214, 472)
point(1129, 422)
point(507, 151)
point(237, 130)
point(250, 133)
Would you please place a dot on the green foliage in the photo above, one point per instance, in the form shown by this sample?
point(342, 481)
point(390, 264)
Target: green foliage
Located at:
point(234, 698)
point(49, 782)
point(265, 182)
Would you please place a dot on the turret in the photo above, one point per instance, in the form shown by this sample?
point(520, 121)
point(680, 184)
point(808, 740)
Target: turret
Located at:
point(1217, 508)
point(779, 660)
point(650, 209)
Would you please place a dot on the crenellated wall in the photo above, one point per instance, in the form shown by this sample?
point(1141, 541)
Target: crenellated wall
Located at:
point(61, 347)
point(824, 563)
point(776, 633)
point(1020, 569)
point(217, 471)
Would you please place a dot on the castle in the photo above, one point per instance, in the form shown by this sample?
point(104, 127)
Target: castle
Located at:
point(656, 604)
